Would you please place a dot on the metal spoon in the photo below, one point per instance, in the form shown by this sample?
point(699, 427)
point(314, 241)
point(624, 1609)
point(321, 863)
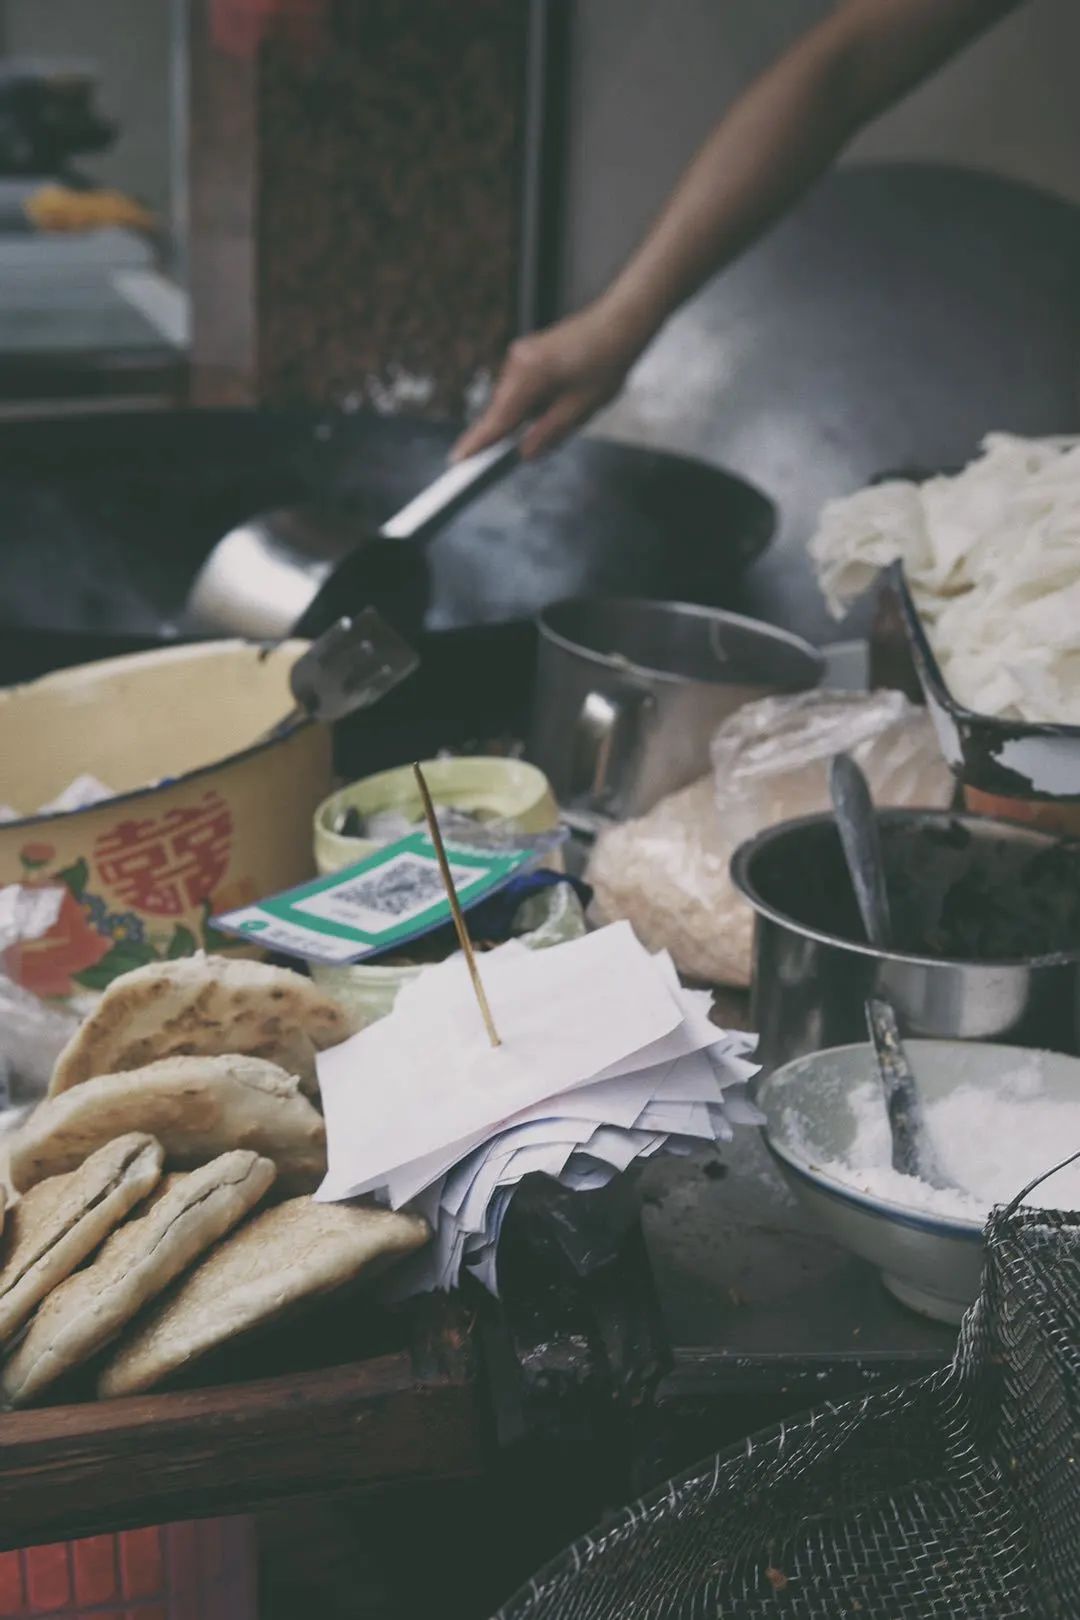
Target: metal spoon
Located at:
point(349, 667)
point(268, 577)
point(912, 1151)
point(855, 818)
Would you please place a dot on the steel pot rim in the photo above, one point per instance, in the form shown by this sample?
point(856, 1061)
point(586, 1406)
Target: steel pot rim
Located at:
point(619, 665)
point(748, 851)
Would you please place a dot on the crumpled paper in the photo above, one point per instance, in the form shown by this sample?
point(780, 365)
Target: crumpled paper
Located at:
point(605, 1060)
point(83, 791)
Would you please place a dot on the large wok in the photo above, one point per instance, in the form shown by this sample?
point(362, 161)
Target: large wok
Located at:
point(104, 521)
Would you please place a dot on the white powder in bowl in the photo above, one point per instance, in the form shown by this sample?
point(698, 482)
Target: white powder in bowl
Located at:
point(991, 1139)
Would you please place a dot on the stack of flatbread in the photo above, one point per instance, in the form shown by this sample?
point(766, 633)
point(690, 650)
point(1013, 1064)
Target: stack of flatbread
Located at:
point(132, 1245)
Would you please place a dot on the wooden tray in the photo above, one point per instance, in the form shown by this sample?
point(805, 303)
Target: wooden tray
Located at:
point(408, 1414)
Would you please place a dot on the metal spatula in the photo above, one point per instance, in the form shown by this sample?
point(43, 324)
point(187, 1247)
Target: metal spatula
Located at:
point(349, 667)
point(912, 1151)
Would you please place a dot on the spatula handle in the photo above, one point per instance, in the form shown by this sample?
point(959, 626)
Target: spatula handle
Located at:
point(450, 490)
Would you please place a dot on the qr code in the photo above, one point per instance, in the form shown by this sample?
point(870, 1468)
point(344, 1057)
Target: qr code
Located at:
point(395, 893)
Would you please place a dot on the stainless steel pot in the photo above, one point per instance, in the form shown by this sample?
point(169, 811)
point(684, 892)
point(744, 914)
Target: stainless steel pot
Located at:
point(629, 693)
point(812, 975)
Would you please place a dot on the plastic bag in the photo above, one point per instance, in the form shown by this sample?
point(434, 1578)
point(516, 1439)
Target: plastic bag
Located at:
point(32, 1032)
point(551, 917)
point(668, 872)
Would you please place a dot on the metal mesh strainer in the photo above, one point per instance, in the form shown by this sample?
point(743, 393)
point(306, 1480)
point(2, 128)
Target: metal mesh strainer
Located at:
point(955, 1497)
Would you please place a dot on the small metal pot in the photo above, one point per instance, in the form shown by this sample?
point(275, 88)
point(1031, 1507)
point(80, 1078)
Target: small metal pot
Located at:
point(813, 971)
point(630, 692)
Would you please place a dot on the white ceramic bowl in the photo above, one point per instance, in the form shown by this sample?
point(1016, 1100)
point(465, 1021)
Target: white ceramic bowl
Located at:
point(930, 1262)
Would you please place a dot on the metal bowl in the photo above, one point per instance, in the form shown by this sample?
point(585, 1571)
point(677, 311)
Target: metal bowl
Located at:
point(813, 968)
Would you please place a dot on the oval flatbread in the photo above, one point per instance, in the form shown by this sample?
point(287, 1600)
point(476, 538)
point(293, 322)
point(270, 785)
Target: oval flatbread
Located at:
point(282, 1259)
point(197, 1107)
point(203, 1006)
point(62, 1220)
point(186, 1215)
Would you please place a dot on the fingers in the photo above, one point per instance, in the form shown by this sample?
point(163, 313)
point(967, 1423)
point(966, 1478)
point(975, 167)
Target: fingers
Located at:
point(556, 423)
point(524, 388)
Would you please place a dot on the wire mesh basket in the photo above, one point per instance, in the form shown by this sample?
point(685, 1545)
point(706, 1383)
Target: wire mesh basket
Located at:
point(953, 1498)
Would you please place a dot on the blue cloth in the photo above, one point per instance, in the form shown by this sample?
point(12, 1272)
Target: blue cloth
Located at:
point(493, 919)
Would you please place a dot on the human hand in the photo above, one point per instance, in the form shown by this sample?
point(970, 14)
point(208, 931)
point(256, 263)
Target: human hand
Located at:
point(555, 380)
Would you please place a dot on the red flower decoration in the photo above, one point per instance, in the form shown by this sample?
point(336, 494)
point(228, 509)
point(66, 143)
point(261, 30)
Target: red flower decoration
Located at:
point(45, 966)
point(35, 855)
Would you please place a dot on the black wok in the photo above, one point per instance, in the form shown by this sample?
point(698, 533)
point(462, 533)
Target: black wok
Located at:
point(104, 521)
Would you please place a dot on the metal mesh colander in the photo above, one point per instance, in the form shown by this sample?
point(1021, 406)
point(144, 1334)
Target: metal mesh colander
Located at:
point(955, 1497)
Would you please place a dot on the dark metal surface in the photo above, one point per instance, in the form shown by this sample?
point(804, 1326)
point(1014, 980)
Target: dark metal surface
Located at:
point(897, 315)
point(740, 1266)
point(713, 1398)
point(104, 521)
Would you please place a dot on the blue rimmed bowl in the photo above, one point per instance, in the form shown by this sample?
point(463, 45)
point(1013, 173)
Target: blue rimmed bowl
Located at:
point(931, 1262)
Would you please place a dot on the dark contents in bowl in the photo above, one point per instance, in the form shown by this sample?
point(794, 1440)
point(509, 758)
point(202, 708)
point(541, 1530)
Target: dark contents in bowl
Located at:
point(952, 893)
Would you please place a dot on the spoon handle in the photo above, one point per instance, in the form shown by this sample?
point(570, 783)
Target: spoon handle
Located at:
point(912, 1154)
point(858, 827)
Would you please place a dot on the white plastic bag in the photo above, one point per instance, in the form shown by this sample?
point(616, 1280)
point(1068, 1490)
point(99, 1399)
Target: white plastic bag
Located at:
point(32, 1032)
point(668, 872)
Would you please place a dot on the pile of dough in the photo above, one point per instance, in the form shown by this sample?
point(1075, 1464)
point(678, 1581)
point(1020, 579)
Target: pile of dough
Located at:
point(992, 557)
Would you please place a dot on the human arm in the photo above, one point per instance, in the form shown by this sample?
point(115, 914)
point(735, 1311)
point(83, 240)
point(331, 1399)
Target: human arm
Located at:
point(776, 139)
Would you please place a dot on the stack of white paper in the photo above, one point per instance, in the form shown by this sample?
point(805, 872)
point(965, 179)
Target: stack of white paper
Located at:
point(605, 1059)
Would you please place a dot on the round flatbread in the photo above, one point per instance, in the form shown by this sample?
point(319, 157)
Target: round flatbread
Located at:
point(186, 1215)
point(62, 1220)
point(197, 1107)
point(203, 1005)
point(281, 1260)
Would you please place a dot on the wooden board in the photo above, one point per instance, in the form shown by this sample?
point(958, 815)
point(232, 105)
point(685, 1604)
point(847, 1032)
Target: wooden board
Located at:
point(403, 1417)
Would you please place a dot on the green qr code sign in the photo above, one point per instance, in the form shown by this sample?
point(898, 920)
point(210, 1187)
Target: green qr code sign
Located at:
point(391, 897)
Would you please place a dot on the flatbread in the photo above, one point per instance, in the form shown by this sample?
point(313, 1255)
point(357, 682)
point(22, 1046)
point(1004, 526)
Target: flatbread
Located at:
point(140, 1259)
point(63, 1219)
point(203, 1005)
point(282, 1259)
point(197, 1107)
